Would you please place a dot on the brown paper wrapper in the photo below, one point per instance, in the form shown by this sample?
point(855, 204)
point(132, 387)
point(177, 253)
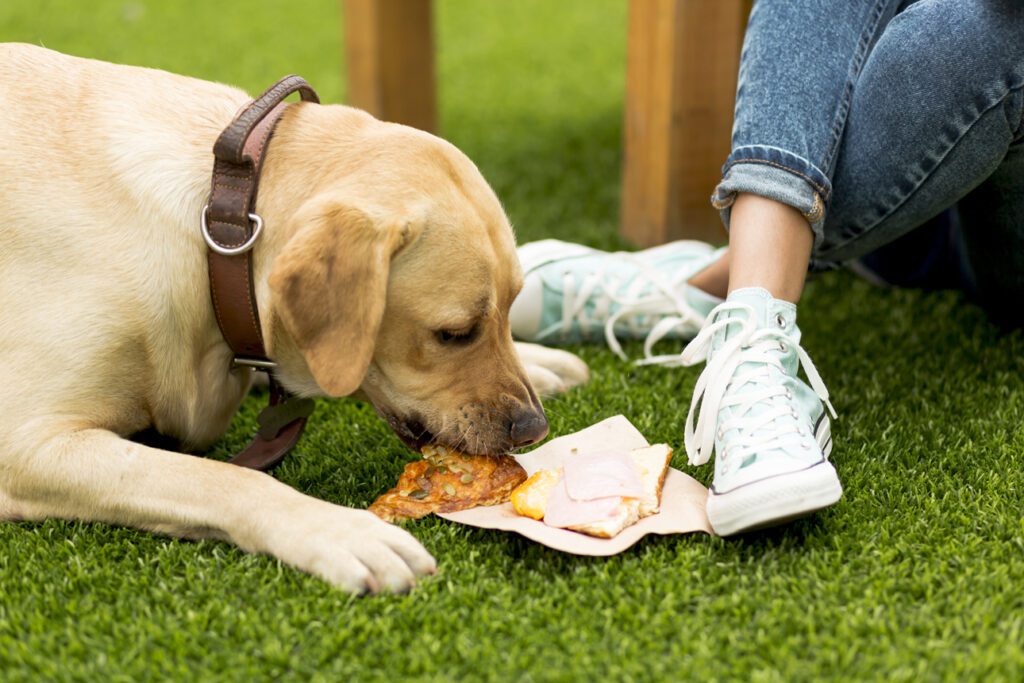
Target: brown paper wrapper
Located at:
point(682, 502)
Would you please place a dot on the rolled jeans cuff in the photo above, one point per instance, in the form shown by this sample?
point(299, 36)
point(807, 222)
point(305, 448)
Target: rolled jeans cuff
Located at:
point(775, 174)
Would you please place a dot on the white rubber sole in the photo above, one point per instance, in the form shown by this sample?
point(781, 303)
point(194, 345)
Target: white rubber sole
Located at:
point(777, 499)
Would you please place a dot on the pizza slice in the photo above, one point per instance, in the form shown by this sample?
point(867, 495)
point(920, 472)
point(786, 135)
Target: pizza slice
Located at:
point(447, 481)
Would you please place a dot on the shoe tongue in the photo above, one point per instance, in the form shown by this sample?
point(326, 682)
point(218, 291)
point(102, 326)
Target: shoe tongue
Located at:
point(767, 311)
point(757, 298)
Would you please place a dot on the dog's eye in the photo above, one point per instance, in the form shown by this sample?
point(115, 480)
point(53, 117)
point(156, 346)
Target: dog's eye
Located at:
point(458, 336)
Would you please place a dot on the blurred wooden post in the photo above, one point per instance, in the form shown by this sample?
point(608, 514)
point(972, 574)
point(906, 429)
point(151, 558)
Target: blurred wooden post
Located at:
point(681, 65)
point(390, 51)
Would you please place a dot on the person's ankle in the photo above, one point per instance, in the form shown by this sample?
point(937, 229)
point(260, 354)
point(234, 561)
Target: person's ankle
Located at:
point(700, 299)
point(714, 279)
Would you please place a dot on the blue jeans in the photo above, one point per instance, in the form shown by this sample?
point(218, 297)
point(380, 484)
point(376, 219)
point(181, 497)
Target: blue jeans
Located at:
point(872, 117)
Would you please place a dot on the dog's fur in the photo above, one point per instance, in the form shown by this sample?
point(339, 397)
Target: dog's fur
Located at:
point(386, 270)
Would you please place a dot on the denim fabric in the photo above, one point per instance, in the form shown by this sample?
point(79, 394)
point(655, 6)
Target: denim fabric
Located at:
point(930, 257)
point(872, 117)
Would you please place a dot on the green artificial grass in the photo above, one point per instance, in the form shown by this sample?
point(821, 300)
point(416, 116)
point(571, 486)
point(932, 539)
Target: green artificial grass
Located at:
point(916, 575)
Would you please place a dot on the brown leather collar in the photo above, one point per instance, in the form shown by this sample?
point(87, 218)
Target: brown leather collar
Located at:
point(231, 228)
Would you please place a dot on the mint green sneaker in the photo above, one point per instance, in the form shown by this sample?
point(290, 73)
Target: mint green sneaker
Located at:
point(769, 429)
point(572, 294)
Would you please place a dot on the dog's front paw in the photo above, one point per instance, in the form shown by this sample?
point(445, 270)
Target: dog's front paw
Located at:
point(552, 371)
point(352, 549)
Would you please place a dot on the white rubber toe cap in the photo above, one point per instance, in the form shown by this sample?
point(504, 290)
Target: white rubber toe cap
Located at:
point(774, 500)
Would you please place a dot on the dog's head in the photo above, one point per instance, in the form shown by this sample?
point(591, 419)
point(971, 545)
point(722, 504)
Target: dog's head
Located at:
point(395, 284)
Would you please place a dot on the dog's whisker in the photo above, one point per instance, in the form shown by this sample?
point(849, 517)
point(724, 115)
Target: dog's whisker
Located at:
point(462, 441)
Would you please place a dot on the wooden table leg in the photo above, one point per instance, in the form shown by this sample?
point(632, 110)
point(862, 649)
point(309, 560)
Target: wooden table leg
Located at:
point(390, 52)
point(682, 60)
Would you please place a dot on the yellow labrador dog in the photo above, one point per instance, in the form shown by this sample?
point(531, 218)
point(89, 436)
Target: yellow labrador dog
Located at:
point(386, 270)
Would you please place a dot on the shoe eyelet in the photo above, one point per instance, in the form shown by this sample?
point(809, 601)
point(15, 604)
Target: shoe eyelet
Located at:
point(782, 347)
point(779, 320)
point(789, 394)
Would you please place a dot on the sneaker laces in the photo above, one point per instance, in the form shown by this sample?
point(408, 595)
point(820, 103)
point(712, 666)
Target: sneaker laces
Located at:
point(635, 306)
point(759, 385)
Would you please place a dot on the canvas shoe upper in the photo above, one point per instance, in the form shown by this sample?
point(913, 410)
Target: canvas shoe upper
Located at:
point(572, 293)
point(769, 430)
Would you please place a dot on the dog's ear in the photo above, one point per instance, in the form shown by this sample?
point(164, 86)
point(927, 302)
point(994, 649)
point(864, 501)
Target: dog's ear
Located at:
point(329, 287)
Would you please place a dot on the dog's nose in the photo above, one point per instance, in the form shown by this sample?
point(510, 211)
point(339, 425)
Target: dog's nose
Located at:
point(528, 427)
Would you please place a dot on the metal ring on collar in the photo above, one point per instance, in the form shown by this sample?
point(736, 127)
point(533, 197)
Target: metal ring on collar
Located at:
point(257, 228)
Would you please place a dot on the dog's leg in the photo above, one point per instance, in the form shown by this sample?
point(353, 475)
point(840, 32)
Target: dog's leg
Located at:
point(7, 509)
point(95, 475)
point(551, 371)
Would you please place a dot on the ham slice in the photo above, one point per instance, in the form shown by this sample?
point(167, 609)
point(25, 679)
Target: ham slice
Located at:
point(599, 494)
point(562, 511)
point(602, 475)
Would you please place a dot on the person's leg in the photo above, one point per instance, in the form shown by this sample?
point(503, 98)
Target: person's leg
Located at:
point(959, 125)
point(794, 88)
point(714, 278)
point(956, 72)
point(770, 244)
point(793, 93)
point(953, 70)
point(962, 140)
point(768, 428)
point(795, 85)
point(761, 226)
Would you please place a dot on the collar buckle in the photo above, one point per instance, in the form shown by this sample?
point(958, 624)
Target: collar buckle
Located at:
point(257, 363)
